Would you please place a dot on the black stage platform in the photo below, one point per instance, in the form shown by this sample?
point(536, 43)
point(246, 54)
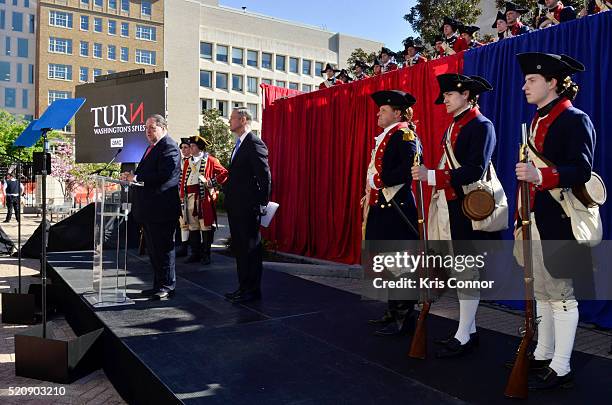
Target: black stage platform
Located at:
point(303, 343)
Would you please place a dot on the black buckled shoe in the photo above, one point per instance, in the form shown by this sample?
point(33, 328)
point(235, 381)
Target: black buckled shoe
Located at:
point(386, 319)
point(548, 379)
point(474, 339)
point(454, 348)
point(233, 294)
point(401, 327)
point(534, 365)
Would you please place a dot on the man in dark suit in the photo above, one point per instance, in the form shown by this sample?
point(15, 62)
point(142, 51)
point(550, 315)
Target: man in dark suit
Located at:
point(156, 203)
point(247, 194)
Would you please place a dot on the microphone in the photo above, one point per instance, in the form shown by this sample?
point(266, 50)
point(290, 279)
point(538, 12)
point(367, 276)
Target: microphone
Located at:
point(108, 164)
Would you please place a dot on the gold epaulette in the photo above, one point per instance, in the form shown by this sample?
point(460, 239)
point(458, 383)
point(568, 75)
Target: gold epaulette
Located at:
point(408, 135)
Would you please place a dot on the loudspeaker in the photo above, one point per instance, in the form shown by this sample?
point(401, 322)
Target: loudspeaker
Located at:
point(37, 165)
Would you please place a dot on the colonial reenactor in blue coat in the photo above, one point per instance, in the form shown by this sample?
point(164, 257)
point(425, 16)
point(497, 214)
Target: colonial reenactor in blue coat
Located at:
point(471, 139)
point(500, 25)
point(452, 43)
point(555, 14)
point(513, 17)
point(388, 189)
point(467, 33)
point(562, 143)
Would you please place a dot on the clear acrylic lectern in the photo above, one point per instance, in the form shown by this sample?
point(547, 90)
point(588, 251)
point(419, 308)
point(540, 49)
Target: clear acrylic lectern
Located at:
point(112, 207)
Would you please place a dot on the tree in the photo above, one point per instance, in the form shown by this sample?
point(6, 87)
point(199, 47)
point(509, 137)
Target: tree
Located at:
point(360, 55)
point(217, 132)
point(427, 16)
point(81, 172)
point(10, 128)
point(62, 164)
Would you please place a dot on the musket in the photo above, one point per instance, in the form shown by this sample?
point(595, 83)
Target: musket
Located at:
point(418, 345)
point(517, 386)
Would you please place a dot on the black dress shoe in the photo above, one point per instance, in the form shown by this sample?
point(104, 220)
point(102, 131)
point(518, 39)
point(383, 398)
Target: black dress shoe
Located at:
point(474, 338)
point(534, 365)
point(386, 319)
point(150, 291)
point(403, 327)
point(548, 379)
point(245, 297)
point(232, 294)
point(454, 348)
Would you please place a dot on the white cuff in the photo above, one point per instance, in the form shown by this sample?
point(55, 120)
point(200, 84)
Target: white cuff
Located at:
point(135, 180)
point(371, 182)
point(539, 181)
point(431, 177)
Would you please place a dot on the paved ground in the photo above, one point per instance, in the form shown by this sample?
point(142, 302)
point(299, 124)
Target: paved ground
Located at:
point(96, 389)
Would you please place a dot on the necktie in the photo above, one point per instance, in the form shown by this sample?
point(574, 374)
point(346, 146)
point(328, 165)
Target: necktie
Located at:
point(236, 148)
point(148, 150)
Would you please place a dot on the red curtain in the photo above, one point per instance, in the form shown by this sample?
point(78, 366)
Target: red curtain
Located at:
point(273, 93)
point(320, 145)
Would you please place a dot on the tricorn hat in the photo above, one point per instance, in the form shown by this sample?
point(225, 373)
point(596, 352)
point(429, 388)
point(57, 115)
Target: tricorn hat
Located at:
point(395, 98)
point(458, 82)
point(548, 64)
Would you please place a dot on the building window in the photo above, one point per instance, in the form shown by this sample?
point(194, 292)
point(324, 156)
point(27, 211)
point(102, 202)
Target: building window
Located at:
point(125, 29)
point(306, 88)
point(24, 98)
point(26, 3)
point(293, 86)
point(97, 72)
point(125, 6)
point(318, 68)
point(206, 50)
point(31, 74)
point(84, 48)
point(22, 48)
point(19, 73)
point(266, 60)
point(60, 45)
point(205, 78)
point(84, 23)
point(98, 3)
point(58, 95)
point(281, 83)
point(145, 8)
point(266, 81)
point(221, 53)
point(252, 85)
point(112, 4)
point(9, 97)
point(112, 52)
point(83, 74)
point(112, 27)
point(5, 71)
point(238, 56)
point(60, 19)
point(253, 110)
point(145, 57)
point(97, 51)
point(205, 104)
point(306, 67)
point(32, 23)
point(17, 22)
point(280, 63)
point(146, 33)
point(97, 24)
point(125, 54)
point(60, 72)
point(252, 58)
point(7, 46)
point(237, 83)
point(221, 80)
point(237, 104)
point(293, 65)
point(222, 107)
point(2, 19)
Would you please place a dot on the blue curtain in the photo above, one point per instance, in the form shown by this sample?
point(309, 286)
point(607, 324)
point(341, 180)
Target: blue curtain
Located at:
point(588, 40)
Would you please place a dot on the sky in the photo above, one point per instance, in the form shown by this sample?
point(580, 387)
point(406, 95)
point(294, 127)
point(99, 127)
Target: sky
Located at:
point(379, 20)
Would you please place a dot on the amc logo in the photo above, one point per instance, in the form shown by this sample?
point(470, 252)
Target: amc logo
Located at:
point(116, 143)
